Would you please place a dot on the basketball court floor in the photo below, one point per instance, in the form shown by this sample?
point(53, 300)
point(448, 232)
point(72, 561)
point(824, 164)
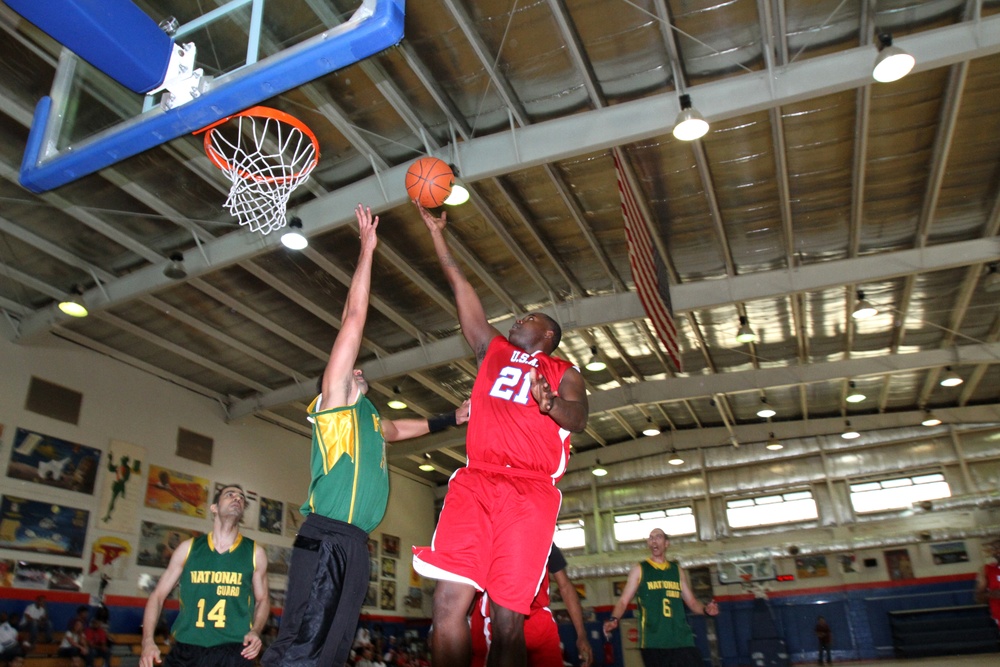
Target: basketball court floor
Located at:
point(978, 660)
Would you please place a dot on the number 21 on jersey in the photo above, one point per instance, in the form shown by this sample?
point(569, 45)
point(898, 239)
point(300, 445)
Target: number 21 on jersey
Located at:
point(509, 379)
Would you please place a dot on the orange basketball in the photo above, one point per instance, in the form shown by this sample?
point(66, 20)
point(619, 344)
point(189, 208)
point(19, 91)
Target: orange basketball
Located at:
point(428, 181)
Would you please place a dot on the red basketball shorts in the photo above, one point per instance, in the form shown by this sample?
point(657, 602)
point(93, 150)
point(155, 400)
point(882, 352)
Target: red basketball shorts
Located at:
point(541, 636)
point(495, 532)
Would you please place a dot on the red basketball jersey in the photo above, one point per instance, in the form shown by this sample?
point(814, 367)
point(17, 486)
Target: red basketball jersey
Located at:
point(992, 584)
point(505, 426)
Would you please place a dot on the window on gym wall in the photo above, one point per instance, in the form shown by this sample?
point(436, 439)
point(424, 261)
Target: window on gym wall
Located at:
point(637, 526)
point(772, 509)
point(570, 535)
point(898, 492)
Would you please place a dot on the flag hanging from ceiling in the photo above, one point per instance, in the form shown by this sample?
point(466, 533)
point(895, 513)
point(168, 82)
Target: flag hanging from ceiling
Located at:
point(648, 269)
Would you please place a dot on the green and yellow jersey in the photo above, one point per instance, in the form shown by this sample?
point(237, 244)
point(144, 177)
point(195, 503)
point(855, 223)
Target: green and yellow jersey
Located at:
point(662, 619)
point(350, 477)
point(216, 593)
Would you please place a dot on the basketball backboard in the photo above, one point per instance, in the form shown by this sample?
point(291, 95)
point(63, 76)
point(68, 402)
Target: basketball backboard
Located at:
point(91, 120)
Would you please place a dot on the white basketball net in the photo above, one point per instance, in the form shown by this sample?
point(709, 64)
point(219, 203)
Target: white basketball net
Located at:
point(267, 159)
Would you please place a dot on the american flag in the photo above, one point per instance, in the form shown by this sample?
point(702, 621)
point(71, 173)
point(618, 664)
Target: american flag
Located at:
point(648, 269)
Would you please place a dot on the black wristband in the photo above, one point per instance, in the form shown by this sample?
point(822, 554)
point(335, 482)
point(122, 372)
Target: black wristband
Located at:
point(615, 619)
point(441, 422)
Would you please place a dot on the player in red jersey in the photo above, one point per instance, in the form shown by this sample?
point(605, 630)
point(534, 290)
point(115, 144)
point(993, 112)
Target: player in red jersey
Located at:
point(988, 582)
point(541, 634)
point(499, 515)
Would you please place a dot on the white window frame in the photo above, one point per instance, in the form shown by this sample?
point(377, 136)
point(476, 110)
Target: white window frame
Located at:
point(897, 492)
point(570, 534)
point(636, 526)
point(763, 509)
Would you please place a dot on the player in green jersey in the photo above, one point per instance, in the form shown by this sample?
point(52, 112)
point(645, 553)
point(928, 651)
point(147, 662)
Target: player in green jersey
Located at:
point(223, 594)
point(662, 589)
point(348, 490)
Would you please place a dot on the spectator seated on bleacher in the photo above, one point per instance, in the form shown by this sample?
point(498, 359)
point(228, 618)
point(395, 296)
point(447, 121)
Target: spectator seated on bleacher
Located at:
point(74, 644)
point(97, 641)
point(10, 638)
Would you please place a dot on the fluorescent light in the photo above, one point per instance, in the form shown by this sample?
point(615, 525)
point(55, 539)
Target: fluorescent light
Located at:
point(773, 443)
point(598, 471)
point(854, 396)
point(675, 458)
point(766, 411)
point(930, 419)
point(459, 195)
point(951, 378)
point(595, 364)
point(849, 433)
point(863, 309)
point(427, 466)
point(745, 333)
point(892, 62)
point(293, 238)
point(690, 124)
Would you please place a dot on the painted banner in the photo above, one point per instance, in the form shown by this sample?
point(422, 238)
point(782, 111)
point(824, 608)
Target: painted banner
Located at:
point(177, 492)
point(122, 488)
point(50, 461)
point(32, 525)
point(157, 543)
point(271, 515)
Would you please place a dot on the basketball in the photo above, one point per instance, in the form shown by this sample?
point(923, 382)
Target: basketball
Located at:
point(428, 181)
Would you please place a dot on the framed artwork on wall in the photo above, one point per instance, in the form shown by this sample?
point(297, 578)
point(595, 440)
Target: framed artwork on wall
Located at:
point(43, 459)
point(158, 542)
point(48, 528)
point(390, 545)
point(177, 492)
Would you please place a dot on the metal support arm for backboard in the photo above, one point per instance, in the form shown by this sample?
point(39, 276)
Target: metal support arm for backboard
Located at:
point(376, 26)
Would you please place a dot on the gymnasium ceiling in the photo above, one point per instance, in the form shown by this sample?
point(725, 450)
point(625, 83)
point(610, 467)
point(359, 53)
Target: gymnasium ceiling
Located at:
point(814, 182)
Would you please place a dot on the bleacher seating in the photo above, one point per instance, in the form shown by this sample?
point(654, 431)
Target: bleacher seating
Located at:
point(943, 631)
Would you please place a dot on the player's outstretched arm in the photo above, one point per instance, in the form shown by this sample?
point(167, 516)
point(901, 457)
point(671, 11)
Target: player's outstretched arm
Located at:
point(262, 606)
point(575, 610)
point(395, 430)
point(340, 367)
point(693, 603)
point(475, 327)
point(631, 588)
point(154, 605)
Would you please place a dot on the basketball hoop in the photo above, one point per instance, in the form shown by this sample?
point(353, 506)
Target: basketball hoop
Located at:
point(746, 577)
point(266, 153)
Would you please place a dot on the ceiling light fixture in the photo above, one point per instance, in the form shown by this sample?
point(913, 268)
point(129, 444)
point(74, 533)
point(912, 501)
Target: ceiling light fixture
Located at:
point(396, 403)
point(849, 433)
point(175, 270)
point(293, 238)
point(745, 334)
point(598, 470)
point(892, 62)
point(863, 309)
point(991, 279)
point(690, 124)
point(854, 396)
point(427, 466)
point(951, 378)
point(773, 443)
point(766, 411)
point(459, 193)
point(930, 419)
point(651, 428)
point(675, 458)
point(595, 364)
point(73, 306)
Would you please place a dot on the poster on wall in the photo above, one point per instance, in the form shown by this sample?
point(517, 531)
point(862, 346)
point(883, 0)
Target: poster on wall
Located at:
point(251, 510)
point(109, 557)
point(414, 593)
point(158, 542)
point(701, 583)
point(371, 599)
point(278, 558)
point(271, 515)
point(388, 568)
point(949, 552)
point(617, 588)
point(50, 461)
point(388, 597)
point(373, 569)
point(49, 577)
point(6, 572)
point(808, 567)
point(32, 525)
point(176, 492)
point(293, 518)
point(390, 545)
point(122, 489)
point(899, 565)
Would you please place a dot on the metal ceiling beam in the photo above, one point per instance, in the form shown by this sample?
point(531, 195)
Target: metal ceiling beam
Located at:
point(574, 135)
point(608, 309)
